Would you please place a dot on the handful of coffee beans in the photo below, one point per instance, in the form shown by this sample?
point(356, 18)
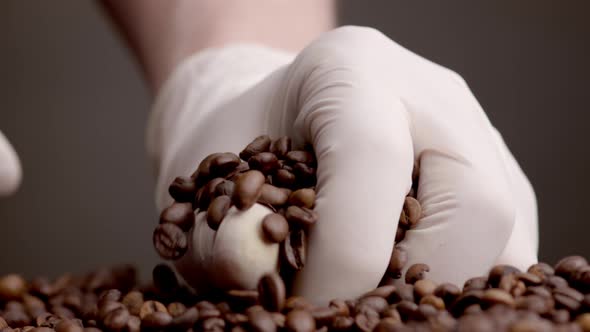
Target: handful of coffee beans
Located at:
point(268, 172)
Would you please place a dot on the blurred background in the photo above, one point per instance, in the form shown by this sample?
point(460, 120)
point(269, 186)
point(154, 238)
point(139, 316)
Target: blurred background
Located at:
point(74, 105)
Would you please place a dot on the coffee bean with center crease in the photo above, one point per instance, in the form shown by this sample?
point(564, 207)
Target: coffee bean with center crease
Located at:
point(293, 249)
point(301, 216)
point(133, 301)
point(281, 146)
point(180, 214)
point(183, 189)
point(273, 195)
point(117, 319)
point(203, 173)
point(300, 156)
point(170, 241)
point(151, 306)
point(568, 266)
point(217, 211)
point(223, 164)
point(413, 211)
point(304, 197)
point(271, 290)
point(475, 283)
point(398, 260)
point(284, 178)
point(258, 145)
point(248, 189)
point(416, 272)
point(275, 227)
point(266, 162)
point(225, 187)
point(498, 271)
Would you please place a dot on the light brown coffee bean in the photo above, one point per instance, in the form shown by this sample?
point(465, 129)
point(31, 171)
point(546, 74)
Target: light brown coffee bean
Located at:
point(187, 319)
point(448, 292)
point(133, 301)
point(223, 164)
point(247, 189)
point(423, 287)
point(271, 290)
point(583, 321)
point(261, 321)
point(176, 309)
point(12, 287)
point(258, 145)
point(151, 306)
point(433, 300)
point(340, 307)
point(180, 214)
point(301, 216)
point(281, 146)
point(265, 162)
point(399, 258)
point(297, 302)
point(274, 195)
point(275, 227)
point(475, 283)
point(304, 197)
point(117, 319)
point(496, 296)
point(388, 324)
point(412, 210)
point(293, 249)
point(217, 211)
point(416, 272)
point(300, 321)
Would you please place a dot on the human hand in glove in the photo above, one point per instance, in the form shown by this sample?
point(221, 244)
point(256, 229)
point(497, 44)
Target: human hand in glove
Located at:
point(369, 108)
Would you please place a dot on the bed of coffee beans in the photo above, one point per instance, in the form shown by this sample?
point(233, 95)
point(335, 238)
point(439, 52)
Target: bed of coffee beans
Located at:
point(543, 298)
point(266, 171)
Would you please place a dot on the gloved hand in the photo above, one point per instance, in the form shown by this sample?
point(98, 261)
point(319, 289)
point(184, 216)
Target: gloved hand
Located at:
point(10, 170)
point(369, 107)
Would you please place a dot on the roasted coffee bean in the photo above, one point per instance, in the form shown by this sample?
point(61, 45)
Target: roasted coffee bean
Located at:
point(176, 309)
point(3, 323)
point(583, 321)
point(12, 287)
point(496, 296)
point(541, 269)
point(225, 187)
point(281, 146)
point(568, 266)
point(400, 234)
point(217, 211)
point(156, 320)
point(425, 312)
point(273, 195)
point(108, 306)
point(324, 316)
point(403, 292)
point(16, 318)
point(416, 272)
point(412, 210)
point(117, 319)
point(342, 323)
point(300, 156)
point(38, 329)
point(306, 175)
point(179, 214)
point(475, 283)
point(448, 292)
point(555, 282)
point(110, 295)
point(284, 178)
point(164, 278)
point(433, 300)
point(340, 307)
point(265, 162)
point(261, 321)
point(567, 298)
point(498, 271)
point(275, 227)
point(366, 321)
point(465, 300)
point(535, 303)
point(170, 241)
point(133, 324)
point(243, 297)
point(382, 291)
point(423, 287)
point(271, 290)
point(183, 189)
point(293, 249)
point(406, 309)
point(203, 173)
point(479, 323)
point(258, 145)
point(304, 197)
point(207, 194)
point(223, 164)
point(133, 301)
point(300, 321)
point(301, 216)
point(187, 319)
point(149, 307)
point(388, 324)
point(375, 303)
point(247, 190)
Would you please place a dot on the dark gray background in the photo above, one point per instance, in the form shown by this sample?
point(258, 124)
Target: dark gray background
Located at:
point(73, 104)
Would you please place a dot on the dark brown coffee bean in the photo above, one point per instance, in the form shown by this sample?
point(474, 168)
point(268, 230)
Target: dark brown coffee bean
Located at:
point(203, 173)
point(423, 287)
point(581, 279)
point(187, 319)
point(366, 321)
point(416, 272)
point(243, 297)
point(568, 266)
point(535, 303)
point(538, 290)
point(275, 227)
point(306, 175)
point(205, 196)
point(265, 162)
point(95, 329)
point(300, 321)
point(12, 287)
point(479, 323)
point(36, 329)
point(133, 301)
point(406, 309)
point(498, 271)
point(342, 323)
point(448, 292)
point(261, 321)
point(281, 146)
point(425, 312)
point(110, 295)
point(180, 214)
point(529, 279)
point(47, 320)
point(133, 324)
point(213, 324)
point(271, 290)
point(412, 210)
point(496, 296)
point(382, 291)
point(293, 249)
point(226, 187)
point(541, 269)
point(117, 319)
point(183, 189)
point(402, 292)
point(258, 145)
point(247, 190)
point(376, 303)
point(531, 324)
point(170, 241)
point(301, 216)
point(465, 300)
point(273, 195)
point(391, 312)
point(164, 279)
point(567, 298)
point(223, 164)
point(106, 307)
point(559, 316)
point(304, 197)
point(284, 178)
point(149, 307)
point(236, 318)
point(300, 156)
point(324, 316)
point(556, 282)
point(217, 211)
point(475, 283)
point(16, 318)
point(388, 324)
point(156, 320)
point(400, 234)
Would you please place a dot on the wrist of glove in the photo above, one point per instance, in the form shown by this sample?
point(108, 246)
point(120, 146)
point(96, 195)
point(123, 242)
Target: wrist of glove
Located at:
point(369, 107)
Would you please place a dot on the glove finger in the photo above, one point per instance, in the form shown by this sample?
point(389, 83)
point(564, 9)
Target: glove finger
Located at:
point(10, 169)
point(521, 250)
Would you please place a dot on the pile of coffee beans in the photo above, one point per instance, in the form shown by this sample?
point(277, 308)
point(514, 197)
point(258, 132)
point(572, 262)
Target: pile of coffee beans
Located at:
point(543, 298)
point(268, 172)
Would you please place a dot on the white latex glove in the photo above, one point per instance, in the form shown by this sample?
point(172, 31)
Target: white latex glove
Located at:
point(10, 170)
point(369, 107)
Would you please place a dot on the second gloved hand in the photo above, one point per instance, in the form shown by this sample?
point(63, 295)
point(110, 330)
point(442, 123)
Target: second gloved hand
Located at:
point(369, 107)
